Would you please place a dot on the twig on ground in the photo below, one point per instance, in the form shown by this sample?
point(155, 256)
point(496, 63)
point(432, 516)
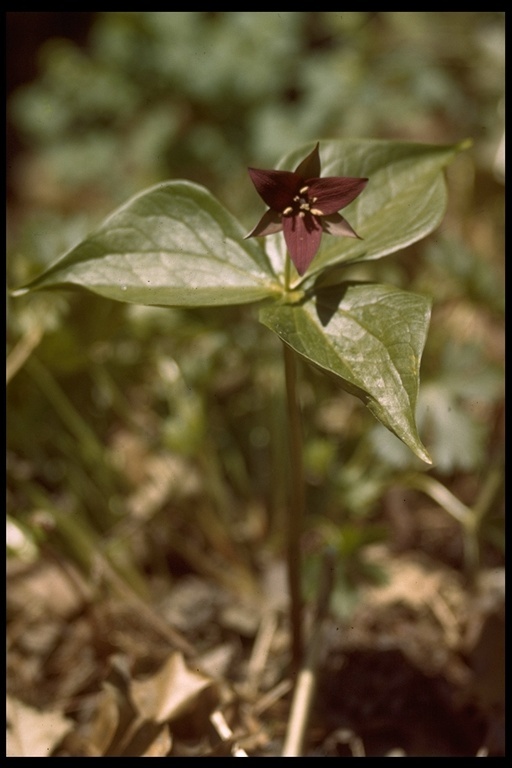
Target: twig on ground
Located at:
point(226, 734)
point(261, 649)
point(306, 680)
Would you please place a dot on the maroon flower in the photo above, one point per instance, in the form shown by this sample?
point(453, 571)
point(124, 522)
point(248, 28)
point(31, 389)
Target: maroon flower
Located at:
point(302, 206)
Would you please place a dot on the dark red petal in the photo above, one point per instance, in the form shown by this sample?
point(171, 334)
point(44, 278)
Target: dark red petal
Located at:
point(277, 188)
point(309, 168)
point(302, 236)
point(269, 224)
point(334, 192)
point(334, 224)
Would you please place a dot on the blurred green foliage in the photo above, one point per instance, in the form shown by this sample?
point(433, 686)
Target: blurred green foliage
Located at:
point(201, 95)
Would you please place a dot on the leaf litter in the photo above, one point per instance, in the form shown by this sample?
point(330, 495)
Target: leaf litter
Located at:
point(416, 670)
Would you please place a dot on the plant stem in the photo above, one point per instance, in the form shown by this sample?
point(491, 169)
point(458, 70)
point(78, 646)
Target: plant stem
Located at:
point(287, 272)
point(296, 506)
point(297, 503)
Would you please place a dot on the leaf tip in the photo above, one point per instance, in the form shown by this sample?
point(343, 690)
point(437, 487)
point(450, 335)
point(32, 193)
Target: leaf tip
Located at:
point(424, 455)
point(16, 292)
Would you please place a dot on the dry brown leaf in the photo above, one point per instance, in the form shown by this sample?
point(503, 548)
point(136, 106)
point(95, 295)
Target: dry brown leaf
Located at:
point(32, 733)
point(161, 745)
point(169, 693)
point(418, 583)
point(105, 722)
point(46, 589)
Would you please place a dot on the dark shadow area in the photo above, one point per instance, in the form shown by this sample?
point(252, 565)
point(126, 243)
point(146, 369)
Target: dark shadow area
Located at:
point(384, 698)
point(329, 298)
point(25, 33)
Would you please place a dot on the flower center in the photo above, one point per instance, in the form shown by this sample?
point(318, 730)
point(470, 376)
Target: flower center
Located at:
point(302, 204)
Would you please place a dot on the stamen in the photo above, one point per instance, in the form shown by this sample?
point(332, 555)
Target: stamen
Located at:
point(287, 211)
point(303, 190)
point(317, 212)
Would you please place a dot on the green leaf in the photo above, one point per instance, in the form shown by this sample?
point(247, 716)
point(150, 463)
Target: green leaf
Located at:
point(404, 200)
point(370, 336)
point(172, 245)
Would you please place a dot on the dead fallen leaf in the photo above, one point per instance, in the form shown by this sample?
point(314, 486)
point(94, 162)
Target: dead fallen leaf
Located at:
point(106, 720)
point(169, 693)
point(32, 733)
point(161, 745)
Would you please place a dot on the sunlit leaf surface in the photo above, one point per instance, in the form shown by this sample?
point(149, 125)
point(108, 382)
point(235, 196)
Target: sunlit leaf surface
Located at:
point(172, 245)
point(371, 337)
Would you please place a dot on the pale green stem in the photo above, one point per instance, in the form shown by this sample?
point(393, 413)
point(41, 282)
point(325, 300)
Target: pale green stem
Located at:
point(445, 498)
point(459, 511)
point(287, 271)
point(470, 518)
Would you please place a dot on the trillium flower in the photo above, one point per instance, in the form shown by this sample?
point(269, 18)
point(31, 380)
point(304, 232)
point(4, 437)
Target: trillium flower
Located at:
point(302, 206)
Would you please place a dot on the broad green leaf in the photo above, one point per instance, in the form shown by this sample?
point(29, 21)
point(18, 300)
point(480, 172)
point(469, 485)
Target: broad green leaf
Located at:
point(370, 336)
point(172, 245)
point(404, 200)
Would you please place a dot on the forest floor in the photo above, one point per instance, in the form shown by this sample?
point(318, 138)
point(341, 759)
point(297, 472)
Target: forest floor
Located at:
point(200, 670)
